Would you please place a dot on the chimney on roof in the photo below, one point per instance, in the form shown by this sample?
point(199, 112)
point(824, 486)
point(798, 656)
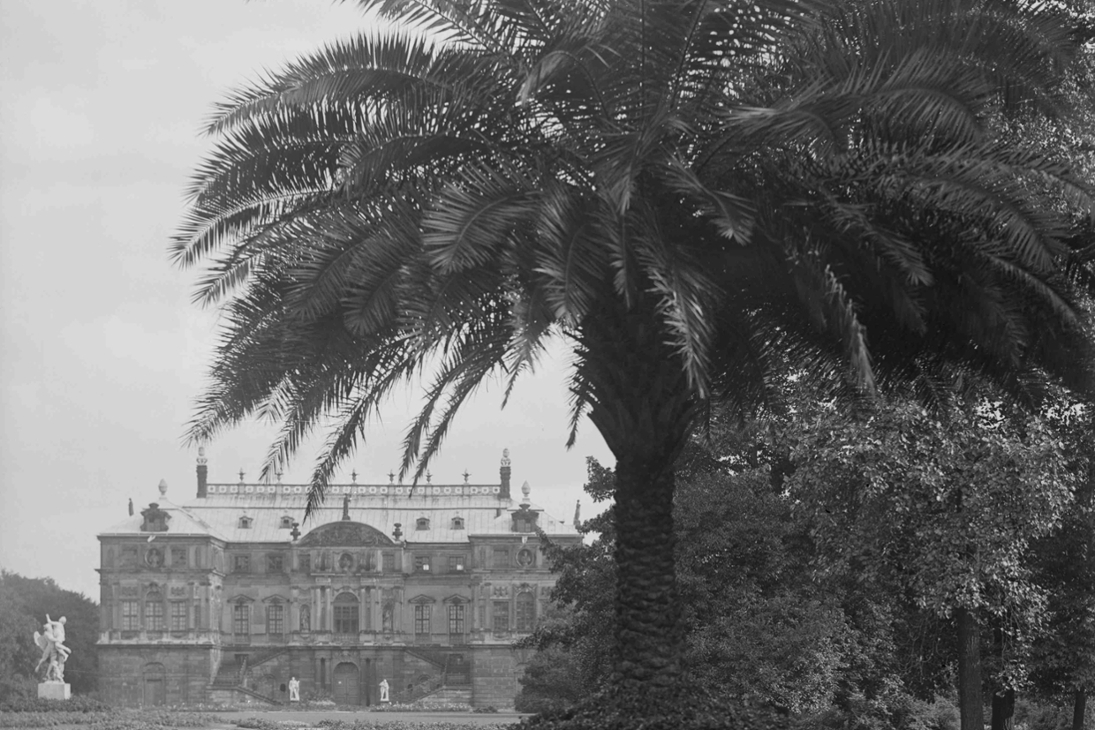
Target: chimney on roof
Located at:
point(203, 474)
point(504, 473)
point(577, 514)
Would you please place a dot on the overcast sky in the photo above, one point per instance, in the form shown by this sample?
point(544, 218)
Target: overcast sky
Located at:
point(101, 352)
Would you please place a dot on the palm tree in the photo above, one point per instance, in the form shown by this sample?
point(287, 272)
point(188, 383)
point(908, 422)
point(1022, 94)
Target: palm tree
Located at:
point(692, 194)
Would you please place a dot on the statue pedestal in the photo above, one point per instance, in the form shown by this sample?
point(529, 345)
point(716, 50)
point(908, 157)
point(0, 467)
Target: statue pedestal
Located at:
point(54, 691)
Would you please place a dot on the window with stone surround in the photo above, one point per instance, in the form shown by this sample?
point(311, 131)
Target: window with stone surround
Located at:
point(389, 562)
point(241, 619)
point(304, 563)
point(500, 618)
point(178, 616)
point(456, 563)
point(275, 619)
point(422, 618)
point(131, 615)
point(501, 559)
point(526, 612)
point(456, 618)
point(153, 613)
point(241, 563)
point(274, 563)
point(422, 563)
point(346, 613)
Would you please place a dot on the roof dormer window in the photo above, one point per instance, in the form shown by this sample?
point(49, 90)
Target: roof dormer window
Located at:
point(245, 523)
point(458, 523)
point(422, 523)
point(286, 522)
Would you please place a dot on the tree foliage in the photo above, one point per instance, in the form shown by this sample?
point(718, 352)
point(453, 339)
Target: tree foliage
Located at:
point(690, 194)
point(24, 603)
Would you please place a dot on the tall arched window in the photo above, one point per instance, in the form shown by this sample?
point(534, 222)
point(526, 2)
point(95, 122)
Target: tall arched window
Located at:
point(346, 605)
point(526, 612)
point(153, 611)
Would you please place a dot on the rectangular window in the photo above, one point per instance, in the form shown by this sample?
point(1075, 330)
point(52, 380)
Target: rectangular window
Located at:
point(241, 563)
point(456, 618)
point(501, 616)
point(128, 558)
point(422, 563)
point(346, 619)
point(273, 564)
point(422, 619)
point(275, 619)
point(178, 557)
point(131, 615)
point(389, 562)
point(241, 619)
point(304, 562)
point(178, 616)
point(501, 559)
point(456, 563)
point(153, 615)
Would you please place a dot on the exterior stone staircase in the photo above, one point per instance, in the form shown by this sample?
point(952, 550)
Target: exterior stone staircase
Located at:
point(446, 696)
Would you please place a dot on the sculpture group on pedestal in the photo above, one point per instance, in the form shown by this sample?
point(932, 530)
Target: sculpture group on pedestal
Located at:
point(54, 652)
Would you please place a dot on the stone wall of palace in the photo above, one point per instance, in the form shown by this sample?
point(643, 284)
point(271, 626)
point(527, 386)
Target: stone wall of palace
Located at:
point(156, 675)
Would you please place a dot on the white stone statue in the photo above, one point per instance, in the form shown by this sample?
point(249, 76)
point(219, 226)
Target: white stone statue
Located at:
point(384, 691)
point(54, 651)
point(294, 689)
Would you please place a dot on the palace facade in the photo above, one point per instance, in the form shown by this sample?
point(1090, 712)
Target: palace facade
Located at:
point(227, 597)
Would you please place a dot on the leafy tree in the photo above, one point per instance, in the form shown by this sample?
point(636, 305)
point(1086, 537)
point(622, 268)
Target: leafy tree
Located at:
point(946, 511)
point(689, 194)
point(1064, 564)
point(24, 603)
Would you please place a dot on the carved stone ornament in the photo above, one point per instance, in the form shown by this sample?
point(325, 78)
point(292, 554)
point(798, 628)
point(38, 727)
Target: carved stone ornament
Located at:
point(499, 591)
point(154, 558)
point(128, 591)
point(178, 590)
point(345, 534)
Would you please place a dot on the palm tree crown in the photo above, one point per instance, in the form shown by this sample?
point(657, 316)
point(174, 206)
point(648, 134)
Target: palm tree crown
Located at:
point(691, 193)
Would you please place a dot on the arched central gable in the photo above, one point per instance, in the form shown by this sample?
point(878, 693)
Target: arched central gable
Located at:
point(345, 534)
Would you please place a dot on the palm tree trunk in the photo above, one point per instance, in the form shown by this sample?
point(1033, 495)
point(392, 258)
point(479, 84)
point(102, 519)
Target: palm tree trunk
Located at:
point(1079, 705)
point(648, 631)
point(970, 703)
point(643, 408)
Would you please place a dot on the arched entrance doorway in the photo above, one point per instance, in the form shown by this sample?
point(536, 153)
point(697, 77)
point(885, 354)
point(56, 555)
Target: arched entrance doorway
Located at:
point(153, 685)
point(347, 688)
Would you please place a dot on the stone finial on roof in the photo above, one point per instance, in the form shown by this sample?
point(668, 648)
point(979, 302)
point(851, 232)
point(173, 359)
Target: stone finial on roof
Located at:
point(391, 477)
point(295, 532)
point(525, 490)
point(278, 474)
point(504, 474)
point(131, 506)
point(163, 487)
point(353, 476)
point(429, 477)
point(241, 475)
point(466, 475)
point(577, 514)
point(203, 473)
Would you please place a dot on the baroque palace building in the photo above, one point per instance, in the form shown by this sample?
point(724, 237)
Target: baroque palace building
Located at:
point(226, 597)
